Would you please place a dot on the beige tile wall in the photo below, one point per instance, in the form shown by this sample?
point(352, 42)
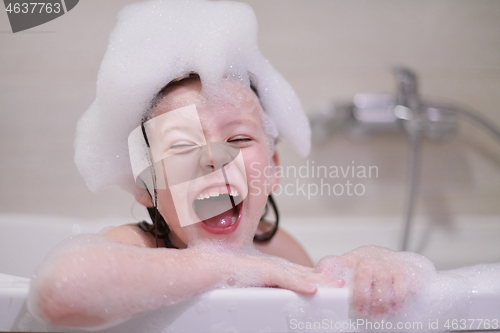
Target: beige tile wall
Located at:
point(328, 50)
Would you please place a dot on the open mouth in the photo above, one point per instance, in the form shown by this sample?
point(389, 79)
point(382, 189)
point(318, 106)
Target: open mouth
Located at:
point(218, 212)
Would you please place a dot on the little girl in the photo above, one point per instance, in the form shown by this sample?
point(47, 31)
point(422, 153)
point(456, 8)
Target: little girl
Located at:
point(186, 118)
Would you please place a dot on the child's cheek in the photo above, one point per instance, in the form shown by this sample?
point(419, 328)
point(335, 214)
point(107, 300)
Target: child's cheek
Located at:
point(259, 173)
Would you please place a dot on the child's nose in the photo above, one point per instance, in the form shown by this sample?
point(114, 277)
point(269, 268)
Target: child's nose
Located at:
point(206, 161)
point(214, 156)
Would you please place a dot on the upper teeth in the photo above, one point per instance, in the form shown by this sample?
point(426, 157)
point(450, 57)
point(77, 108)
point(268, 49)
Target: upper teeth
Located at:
point(214, 192)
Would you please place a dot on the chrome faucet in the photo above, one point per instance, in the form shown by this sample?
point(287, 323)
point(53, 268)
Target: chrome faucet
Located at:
point(409, 110)
point(371, 113)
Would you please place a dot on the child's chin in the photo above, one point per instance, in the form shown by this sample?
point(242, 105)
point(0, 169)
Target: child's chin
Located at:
point(236, 241)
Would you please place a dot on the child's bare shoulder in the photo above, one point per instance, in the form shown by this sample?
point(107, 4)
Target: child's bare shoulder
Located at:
point(131, 234)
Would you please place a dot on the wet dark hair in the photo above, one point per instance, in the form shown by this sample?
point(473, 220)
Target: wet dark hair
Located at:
point(159, 227)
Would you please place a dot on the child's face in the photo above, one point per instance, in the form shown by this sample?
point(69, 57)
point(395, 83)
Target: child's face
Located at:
point(211, 145)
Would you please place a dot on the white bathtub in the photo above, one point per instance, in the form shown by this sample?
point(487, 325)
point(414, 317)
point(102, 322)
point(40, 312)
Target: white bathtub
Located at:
point(24, 241)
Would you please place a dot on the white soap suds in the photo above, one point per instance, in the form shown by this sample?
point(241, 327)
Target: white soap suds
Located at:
point(77, 255)
point(434, 296)
point(155, 42)
point(438, 295)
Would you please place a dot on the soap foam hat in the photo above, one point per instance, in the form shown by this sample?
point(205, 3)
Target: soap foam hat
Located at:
point(155, 42)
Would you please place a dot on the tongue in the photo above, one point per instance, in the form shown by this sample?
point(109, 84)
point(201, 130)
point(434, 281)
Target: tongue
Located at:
point(217, 212)
point(222, 220)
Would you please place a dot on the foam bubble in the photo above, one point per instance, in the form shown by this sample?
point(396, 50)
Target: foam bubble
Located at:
point(120, 288)
point(432, 296)
point(157, 41)
point(438, 295)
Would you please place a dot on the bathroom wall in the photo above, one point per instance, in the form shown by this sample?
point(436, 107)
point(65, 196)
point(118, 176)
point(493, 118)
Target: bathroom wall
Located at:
point(328, 50)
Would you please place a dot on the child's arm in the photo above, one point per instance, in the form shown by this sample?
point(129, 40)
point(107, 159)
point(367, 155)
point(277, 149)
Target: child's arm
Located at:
point(95, 281)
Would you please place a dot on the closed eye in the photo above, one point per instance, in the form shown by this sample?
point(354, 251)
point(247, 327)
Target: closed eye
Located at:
point(182, 147)
point(240, 142)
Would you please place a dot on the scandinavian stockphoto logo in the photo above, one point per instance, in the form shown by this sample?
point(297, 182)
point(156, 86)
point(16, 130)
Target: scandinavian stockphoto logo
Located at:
point(25, 14)
point(310, 180)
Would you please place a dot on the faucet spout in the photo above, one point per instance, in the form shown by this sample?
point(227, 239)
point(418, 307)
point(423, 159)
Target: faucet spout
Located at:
point(407, 93)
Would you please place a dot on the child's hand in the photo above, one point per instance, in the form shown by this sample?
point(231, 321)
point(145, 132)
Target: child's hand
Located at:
point(278, 272)
point(381, 279)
